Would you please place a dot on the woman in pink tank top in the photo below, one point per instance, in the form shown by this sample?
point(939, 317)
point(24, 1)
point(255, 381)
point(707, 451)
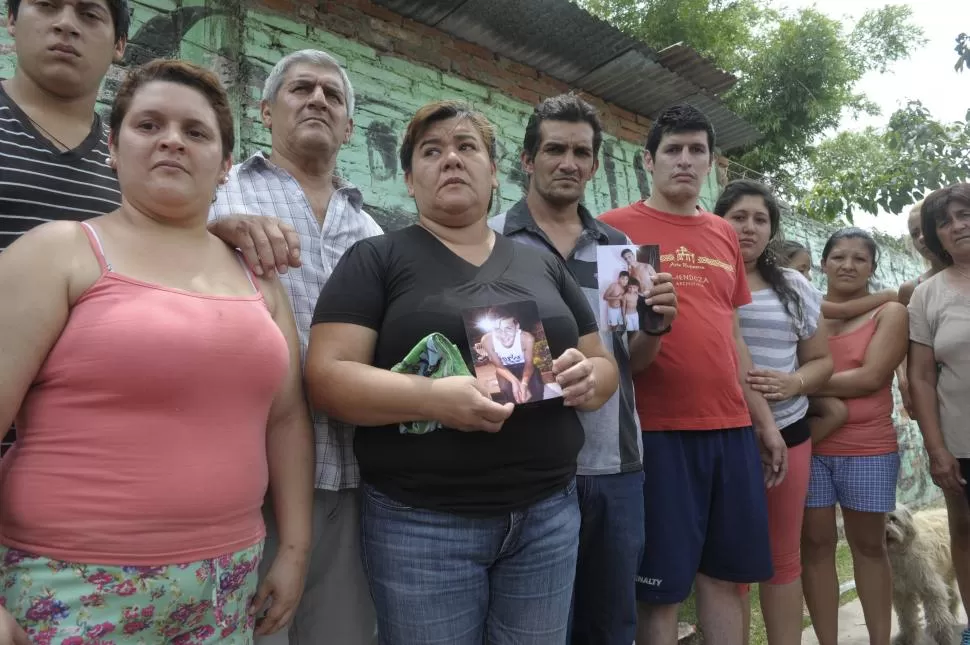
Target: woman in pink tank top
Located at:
point(856, 466)
point(157, 393)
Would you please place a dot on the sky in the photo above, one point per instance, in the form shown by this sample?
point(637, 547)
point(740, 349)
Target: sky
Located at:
point(930, 66)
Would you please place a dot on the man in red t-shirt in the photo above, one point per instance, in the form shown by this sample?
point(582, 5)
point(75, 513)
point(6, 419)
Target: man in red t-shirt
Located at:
point(704, 487)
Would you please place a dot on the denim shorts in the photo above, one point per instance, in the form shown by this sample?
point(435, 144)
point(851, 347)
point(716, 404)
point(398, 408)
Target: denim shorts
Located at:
point(858, 483)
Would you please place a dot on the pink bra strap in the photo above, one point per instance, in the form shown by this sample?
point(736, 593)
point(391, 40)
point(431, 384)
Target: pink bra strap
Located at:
point(96, 246)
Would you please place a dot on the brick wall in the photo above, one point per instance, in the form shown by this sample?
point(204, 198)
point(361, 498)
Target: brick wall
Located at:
point(397, 65)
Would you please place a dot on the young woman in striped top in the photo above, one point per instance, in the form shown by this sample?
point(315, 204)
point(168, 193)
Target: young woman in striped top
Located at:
point(783, 330)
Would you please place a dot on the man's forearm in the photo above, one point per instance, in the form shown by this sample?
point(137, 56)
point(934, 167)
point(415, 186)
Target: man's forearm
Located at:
point(643, 350)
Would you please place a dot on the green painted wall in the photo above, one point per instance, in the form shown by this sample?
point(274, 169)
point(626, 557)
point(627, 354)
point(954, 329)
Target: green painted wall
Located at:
point(243, 46)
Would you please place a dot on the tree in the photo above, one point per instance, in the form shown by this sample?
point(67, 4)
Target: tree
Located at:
point(797, 71)
point(723, 30)
point(963, 52)
point(887, 169)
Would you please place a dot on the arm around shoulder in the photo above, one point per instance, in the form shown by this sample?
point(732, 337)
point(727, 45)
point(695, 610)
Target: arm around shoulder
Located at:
point(885, 351)
point(888, 346)
point(857, 307)
point(906, 292)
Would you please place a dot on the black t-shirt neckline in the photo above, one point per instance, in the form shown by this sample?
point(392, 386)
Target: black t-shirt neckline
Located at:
point(490, 270)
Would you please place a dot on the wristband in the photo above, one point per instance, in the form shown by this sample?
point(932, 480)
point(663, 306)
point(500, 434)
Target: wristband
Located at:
point(801, 381)
point(665, 330)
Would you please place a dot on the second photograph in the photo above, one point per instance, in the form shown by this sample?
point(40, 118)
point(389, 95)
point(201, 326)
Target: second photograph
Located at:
point(625, 276)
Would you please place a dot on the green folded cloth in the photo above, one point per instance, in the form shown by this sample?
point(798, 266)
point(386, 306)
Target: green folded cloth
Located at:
point(435, 357)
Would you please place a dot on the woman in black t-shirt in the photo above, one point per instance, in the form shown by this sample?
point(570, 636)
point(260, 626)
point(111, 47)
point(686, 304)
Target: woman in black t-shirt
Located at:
point(469, 532)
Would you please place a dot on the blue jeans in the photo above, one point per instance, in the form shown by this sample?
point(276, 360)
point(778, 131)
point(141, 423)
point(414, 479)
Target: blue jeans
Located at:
point(610, 547)
point(439, 578)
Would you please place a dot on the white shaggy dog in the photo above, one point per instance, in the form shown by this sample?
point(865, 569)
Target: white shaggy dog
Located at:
point(919, 550)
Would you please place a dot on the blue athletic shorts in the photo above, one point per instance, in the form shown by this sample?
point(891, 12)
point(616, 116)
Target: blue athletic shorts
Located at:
point(705, 512)
point(859, 483)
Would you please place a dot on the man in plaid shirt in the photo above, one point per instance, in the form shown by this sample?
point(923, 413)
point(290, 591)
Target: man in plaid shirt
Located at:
point(308, 105)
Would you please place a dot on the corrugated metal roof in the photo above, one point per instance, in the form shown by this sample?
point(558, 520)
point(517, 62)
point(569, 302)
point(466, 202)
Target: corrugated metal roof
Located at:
point(687, 62)
point(565, 42)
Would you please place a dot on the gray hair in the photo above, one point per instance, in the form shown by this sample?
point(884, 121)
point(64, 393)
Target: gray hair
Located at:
point(314, 57)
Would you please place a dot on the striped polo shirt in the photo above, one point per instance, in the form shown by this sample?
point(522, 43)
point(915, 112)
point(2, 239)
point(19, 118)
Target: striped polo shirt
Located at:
point(39, 183)
point(613, 444)
point(772, 334)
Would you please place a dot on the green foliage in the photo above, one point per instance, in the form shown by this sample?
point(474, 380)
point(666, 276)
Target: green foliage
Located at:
point(884, 36)
point(888, 169)
point(963, 52)
point(724, 30)
point(797, 71)
point(801, 82)
point(796, 87)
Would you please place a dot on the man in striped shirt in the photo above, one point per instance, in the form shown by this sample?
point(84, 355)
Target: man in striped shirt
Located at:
point(53, 145)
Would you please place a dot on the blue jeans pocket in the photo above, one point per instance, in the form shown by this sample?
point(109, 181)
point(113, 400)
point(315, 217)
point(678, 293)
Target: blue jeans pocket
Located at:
point(378, 498)
point(570, 488)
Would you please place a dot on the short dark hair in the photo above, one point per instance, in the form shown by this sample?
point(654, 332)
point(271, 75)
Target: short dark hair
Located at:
point(852, 233)
point(432, 113)
point(933, 213)
point(183, 73)
point(676, 119)
point(633, 283)
point(564, 107)
point(625, 251)
point(120, 15)
point(623, 273)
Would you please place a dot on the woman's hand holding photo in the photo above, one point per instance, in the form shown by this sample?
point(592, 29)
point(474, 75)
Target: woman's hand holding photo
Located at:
point(460, 402)
point(574, 374)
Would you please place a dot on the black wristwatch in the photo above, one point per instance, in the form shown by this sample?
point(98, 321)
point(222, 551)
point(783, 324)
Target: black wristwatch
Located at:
point(665, 330)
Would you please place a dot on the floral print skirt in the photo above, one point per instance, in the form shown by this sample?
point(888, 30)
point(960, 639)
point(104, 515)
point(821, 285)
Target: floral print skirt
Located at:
point(66, 603)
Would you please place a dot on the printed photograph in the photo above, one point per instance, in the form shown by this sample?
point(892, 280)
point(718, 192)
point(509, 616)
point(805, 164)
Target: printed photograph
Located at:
point(625, 274)
point(511, 353)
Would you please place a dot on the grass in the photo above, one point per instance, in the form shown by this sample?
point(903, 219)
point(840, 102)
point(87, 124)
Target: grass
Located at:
point(843, 565)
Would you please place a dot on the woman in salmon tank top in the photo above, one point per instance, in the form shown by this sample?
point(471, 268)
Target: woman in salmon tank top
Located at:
point(156, 387)
point(855, 466)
